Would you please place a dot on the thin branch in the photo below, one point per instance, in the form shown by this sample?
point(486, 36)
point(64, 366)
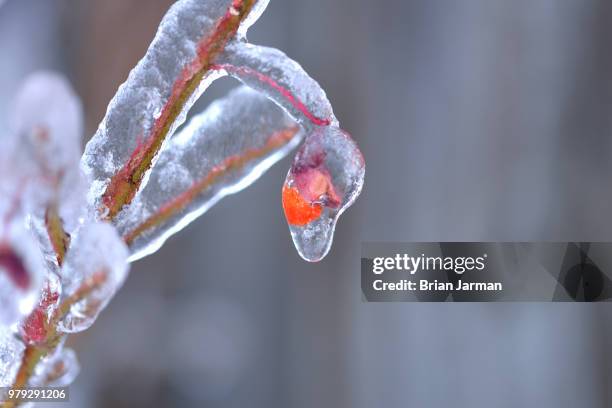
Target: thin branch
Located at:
point(35, 352)
point(124, 185)
point(270, 82)
point(60, 240)
point(232, 163)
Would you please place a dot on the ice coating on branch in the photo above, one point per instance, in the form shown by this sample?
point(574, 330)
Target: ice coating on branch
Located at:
point(11, 351)
point(327, 175)
point(221, 151)
point(251, 18)
point(94, 269)
point(71, 201)
point(42, 151)
point(21, 273)
point(159, 91)
point(325, 179)
point(139, 102)
point(273, 73)
point(47, 125)
point(42, 192)
point(57, 370)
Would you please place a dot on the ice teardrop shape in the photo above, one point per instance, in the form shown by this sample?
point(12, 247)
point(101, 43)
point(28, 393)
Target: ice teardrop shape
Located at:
point(157, 95)
point(325, 179)
point(57, 370)
point(220, 152)
point(94, 269)
point(312, 221)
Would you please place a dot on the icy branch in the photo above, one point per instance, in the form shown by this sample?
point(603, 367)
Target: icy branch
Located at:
point(283, 80)
point(63, 236)
point(159, 91)
point(328, 172)
point(220, 152)
point(97, 257)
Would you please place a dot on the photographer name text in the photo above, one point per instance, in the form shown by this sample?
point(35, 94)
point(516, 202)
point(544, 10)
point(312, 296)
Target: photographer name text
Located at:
point(422, 263)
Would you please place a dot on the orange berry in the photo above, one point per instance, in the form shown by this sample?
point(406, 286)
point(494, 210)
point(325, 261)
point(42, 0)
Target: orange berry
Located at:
point(297, 210)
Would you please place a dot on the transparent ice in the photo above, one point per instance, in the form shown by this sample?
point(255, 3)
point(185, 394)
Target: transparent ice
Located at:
point(137, 112)
point(39, 161)
point(283, 80)
point(138, 183)
point(97, 260)
point(327, 176)
point(47, 124)
point(220, 152)
point(56, 370)
point(139, 103)
point(21, 272)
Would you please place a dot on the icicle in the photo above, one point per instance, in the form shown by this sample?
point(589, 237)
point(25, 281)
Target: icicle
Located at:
point(328, 172)
point(325, 179)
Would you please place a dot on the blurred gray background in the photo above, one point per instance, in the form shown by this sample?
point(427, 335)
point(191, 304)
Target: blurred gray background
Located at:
point(479, 120)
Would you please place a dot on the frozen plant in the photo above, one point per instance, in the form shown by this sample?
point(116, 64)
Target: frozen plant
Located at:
point(72, 223)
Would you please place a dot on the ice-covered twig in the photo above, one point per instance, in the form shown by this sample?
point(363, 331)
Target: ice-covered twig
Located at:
point(154, 100)
point(282, 79)
point(60, 240)
point(328, 172)
point(86, 262)
point(204, 42)
point(44, 150)
point(220, 152)
point(148, 184)
point(50, 338)
point(39, 168)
